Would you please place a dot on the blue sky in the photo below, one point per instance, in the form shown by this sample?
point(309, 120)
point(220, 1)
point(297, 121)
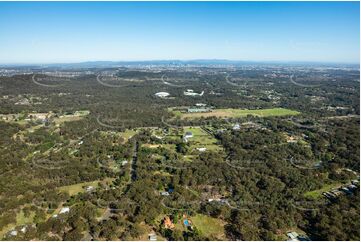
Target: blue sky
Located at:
point(48, 32)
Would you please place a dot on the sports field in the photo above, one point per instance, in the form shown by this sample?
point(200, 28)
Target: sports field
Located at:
point(235, 113)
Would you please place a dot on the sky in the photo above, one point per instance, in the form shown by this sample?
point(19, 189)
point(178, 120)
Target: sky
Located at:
point(60, 32)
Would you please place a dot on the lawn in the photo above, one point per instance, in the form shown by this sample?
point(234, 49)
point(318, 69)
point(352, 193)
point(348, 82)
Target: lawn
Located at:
point(82, 113)
point(211, 227)
point(235, 113)
point(78, 115)
point(200, 136)
point(318, 193)
point(20, 220)
point(169, 147)
point(151, 146)
point(208, 226)
point(127, 134)
point(80, 187)
point(197, 131)
point(64, 119)
point(162, 173)
point(201, 139)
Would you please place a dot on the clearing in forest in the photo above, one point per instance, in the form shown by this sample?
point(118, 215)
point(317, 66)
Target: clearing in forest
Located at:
point(201, 139)
point(81, 187)
point(236, 113)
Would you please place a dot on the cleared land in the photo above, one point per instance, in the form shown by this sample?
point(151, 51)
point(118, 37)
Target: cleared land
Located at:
point(78, 115)
point(236, 113)
point(127, 134)
point(170, 147)
point(201, 139)
point(213, 228)
point(209, 226)
point(20, 220)
point(80, 187)
point(318, 193)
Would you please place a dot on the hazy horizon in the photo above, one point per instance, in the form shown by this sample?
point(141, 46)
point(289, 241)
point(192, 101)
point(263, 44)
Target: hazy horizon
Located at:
point(74, 32)
point(181, 60)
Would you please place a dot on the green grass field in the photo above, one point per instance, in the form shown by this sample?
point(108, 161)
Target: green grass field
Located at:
point(318, 193)
point(162, 173)
point(236, 113)
point(201, 139)
point(127, 134)
point(78, 115)
point(80, 187)
point(170, 147)
point(20, 220)
point(209, 226)
point(197, 131)
point(82, 113)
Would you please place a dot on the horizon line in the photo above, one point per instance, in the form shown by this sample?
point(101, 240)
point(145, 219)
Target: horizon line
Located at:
point(179, 60)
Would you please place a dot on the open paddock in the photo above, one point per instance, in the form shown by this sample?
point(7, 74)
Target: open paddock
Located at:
point(236, 113)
